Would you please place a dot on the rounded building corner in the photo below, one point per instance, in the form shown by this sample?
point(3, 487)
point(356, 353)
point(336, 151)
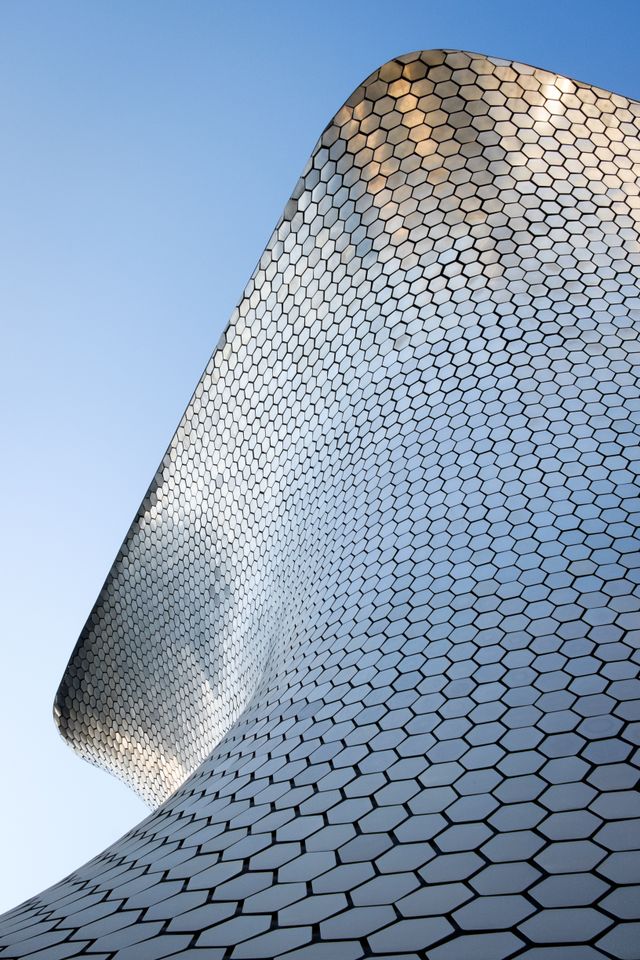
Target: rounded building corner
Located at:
point(373, 633)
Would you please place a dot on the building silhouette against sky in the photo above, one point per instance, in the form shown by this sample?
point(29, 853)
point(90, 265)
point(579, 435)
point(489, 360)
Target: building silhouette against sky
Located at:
point(369, 648)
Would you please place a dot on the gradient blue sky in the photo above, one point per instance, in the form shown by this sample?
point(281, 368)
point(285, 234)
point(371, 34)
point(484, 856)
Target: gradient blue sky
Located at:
point(148, 149)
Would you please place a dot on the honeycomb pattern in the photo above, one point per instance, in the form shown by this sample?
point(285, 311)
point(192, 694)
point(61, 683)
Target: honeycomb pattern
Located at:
point(372, 639)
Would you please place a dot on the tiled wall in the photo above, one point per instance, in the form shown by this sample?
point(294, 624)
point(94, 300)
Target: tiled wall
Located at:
point(382, 594)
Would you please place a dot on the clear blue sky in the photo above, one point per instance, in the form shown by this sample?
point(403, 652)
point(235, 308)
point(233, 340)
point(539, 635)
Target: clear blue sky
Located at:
point(148, 149)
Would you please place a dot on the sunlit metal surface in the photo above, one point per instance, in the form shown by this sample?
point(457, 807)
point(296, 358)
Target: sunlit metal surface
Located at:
point(376, 621)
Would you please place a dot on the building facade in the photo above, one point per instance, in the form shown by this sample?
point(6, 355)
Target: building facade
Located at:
point(370, 647)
